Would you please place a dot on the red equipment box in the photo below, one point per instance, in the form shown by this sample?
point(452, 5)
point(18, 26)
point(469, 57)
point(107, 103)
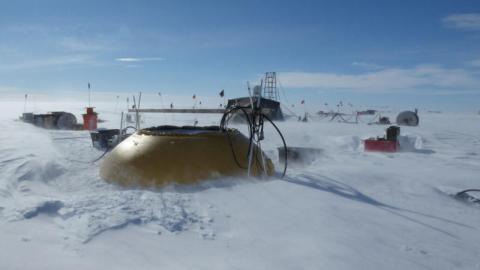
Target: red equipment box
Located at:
point(381, 145)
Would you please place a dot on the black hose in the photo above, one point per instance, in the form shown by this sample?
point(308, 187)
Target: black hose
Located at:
point(233, 151)
point(284, 144)
point(107, 149)
point(223, 124)
point(467, 190)
point(100, 157)
point(93, 161)
point(69, 138)
point(251, 127)
point(224, 120)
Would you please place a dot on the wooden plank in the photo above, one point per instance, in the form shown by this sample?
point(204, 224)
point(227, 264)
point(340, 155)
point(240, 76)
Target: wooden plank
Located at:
point(178, 110)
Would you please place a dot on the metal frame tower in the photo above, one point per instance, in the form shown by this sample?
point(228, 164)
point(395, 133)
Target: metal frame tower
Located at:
point(270, 86)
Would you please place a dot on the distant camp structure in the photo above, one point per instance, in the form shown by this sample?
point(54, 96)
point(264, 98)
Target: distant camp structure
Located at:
point(408, 118)
point(268, 95)
point(62, 120)
point(266, 92)
point(271, 108)
point(53, 120)
point(367, 112)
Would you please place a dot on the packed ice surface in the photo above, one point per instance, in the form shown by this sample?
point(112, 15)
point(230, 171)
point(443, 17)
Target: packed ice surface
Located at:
point(348, 209)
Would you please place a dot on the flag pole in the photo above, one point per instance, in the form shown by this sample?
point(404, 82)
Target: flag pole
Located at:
point(89, 94)
point(25, 104)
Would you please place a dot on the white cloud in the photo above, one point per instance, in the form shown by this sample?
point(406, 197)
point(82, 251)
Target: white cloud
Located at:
point(75, 44)
point(387, 79)
point(49, 62)
point(367, 65)
point(475, 63)
point(464, 21)
point(139, 59)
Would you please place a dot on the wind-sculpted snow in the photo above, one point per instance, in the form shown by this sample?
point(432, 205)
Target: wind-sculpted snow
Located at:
point(81, 218)
point(51, 175)
point(345, 209)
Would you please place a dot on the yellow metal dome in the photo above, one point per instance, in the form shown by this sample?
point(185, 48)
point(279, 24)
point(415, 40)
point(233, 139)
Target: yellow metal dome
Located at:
point(162, 155)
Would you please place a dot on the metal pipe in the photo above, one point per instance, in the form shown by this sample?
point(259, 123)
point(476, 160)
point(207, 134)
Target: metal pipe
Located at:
point(137, 113)
point(121, 129)
point(250, 152)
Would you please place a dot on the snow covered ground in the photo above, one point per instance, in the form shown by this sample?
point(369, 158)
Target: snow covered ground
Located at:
point(347, 210)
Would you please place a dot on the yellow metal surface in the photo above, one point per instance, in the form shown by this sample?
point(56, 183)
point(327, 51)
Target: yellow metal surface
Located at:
point(156, 160)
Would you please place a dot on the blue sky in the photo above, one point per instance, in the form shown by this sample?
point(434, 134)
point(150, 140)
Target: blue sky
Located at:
point(406, 53)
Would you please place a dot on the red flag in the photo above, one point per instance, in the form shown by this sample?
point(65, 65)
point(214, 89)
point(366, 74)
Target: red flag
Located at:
point(194, 96)
point(303, 101)
point(222, 93)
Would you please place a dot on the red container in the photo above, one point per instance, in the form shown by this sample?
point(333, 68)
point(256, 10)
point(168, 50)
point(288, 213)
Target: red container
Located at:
point(381, 145)
point(90, 119)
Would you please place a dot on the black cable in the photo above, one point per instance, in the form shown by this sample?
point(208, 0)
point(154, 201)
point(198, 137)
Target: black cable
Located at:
point(467, 190)
point(224, 122)
point(93, 161)
point(253, 126)
point(107, 149)
point(100, 157)
point(69, 138)
point(284, 144)
point(233, 151)
point(251, 129)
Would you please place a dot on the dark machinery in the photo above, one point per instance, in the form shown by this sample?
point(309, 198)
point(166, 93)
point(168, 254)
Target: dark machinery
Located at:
point(392, 133)
point(265, 96)
point(408, 118)
point(53, 120)
point(465, 196)
point(298, 155)
point(106, 139)
point(271, 108)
